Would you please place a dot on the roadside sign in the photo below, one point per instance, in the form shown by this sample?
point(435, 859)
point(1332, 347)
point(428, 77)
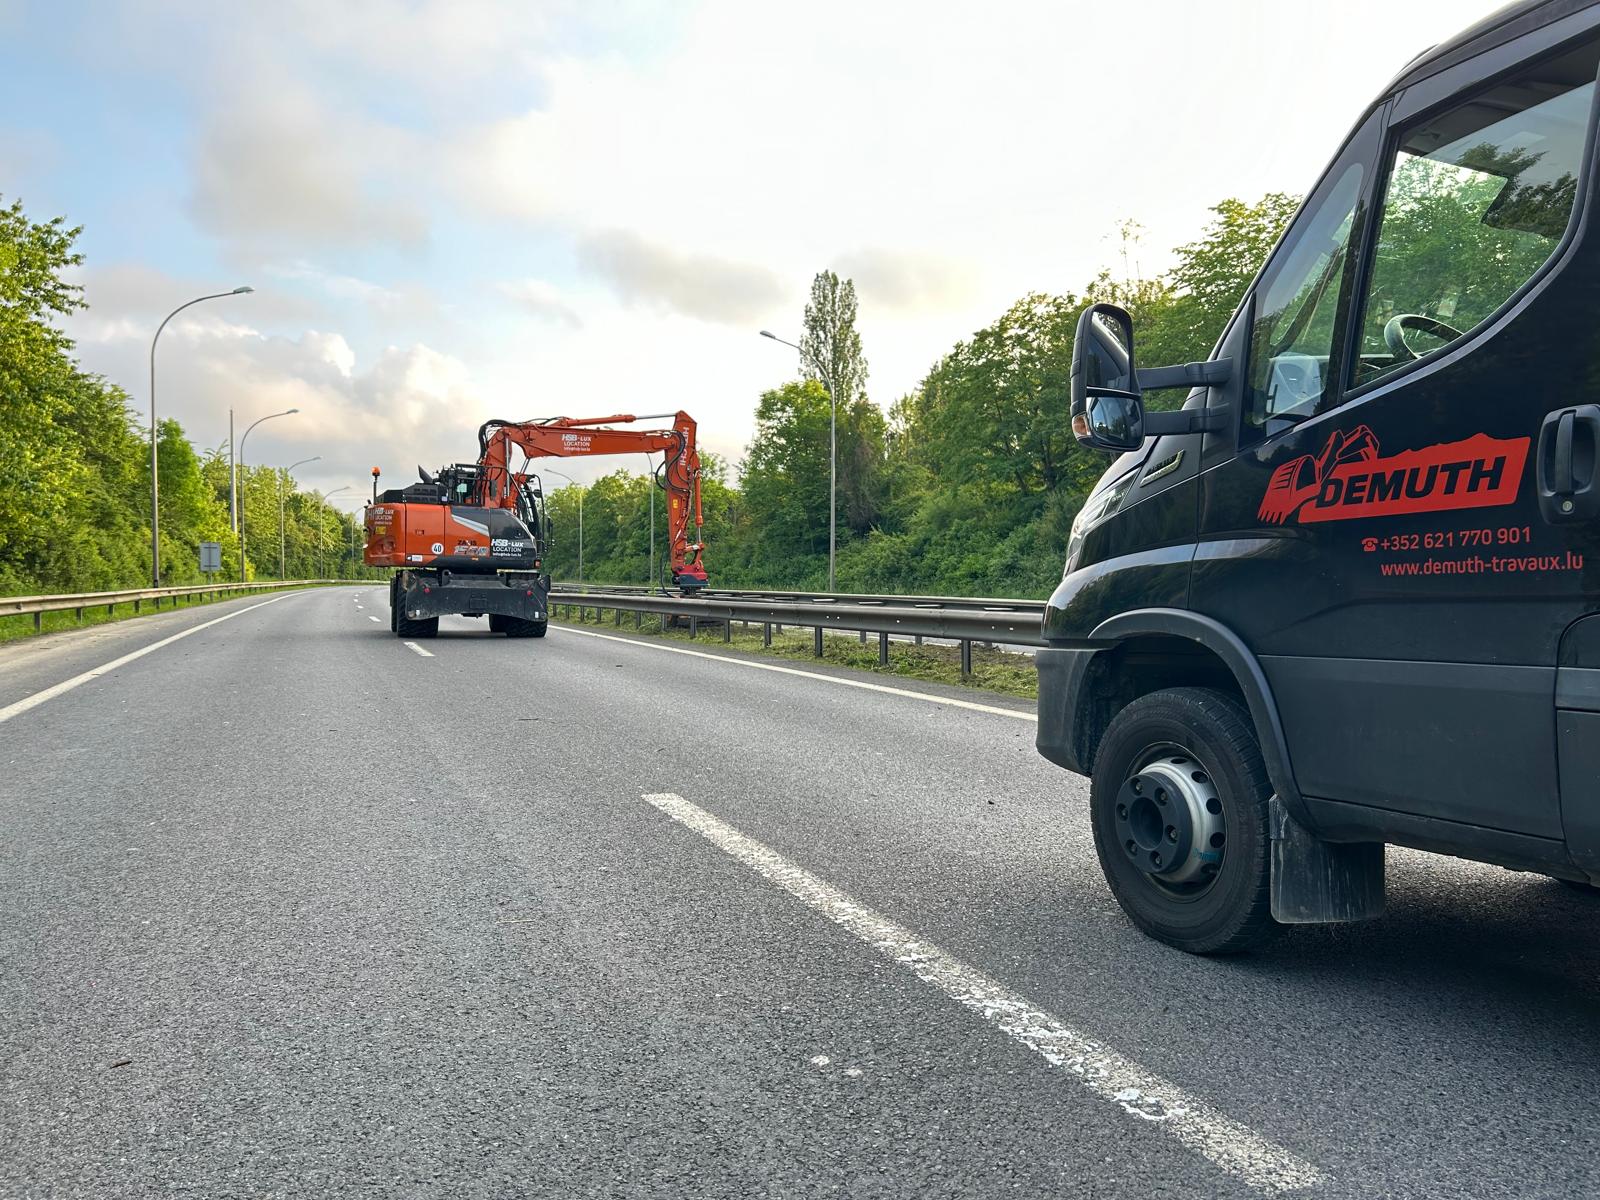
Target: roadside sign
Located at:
point(210, 556)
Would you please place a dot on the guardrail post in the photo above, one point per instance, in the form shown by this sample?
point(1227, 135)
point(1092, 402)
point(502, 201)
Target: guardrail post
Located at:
point(80, 616)
point(136, 605)
point(727, 631)
point(766, 633)
point(694, 627)
point(38, 621)
point(863, 637)
point(966, 657)
point(638, 619)
point(883, 649)
point(816, 641)
point(618, 615)
point(917, 640)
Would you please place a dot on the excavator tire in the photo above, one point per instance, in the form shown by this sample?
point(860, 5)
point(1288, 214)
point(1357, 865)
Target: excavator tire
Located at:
point(407, 628)
point(518, 628)
point(497, 623)
point(394, 602)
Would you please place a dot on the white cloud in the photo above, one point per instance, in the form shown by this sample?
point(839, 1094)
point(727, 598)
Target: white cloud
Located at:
point(704, 286)
point(280, 165)
point(909, 280)
point(543, 299)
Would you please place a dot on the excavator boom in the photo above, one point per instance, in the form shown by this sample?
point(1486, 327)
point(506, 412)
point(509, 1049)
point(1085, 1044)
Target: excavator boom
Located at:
point(577, 437)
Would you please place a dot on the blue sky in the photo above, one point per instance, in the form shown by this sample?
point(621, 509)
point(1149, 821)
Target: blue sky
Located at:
point(452, 210)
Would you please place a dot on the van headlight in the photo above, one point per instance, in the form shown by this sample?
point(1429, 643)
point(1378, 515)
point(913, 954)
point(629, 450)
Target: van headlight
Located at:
point(1095, 510)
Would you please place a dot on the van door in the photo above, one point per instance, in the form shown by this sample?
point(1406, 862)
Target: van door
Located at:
point(1378, 538)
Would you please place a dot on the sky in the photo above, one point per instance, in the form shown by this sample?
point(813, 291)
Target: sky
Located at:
point(452, 210)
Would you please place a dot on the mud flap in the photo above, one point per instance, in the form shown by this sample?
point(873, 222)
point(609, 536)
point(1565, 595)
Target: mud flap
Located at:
point(1315, 882)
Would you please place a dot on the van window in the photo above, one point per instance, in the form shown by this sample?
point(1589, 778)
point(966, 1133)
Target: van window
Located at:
point(1297, 308)
point(1478, 199)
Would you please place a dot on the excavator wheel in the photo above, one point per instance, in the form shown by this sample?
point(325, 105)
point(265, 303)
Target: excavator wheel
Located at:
point(518, 628)
point(497, 623)
point(394, 601)
point(407, 628)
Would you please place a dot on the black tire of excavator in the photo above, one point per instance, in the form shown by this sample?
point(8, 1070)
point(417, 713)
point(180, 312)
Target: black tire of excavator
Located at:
point(407, 628)
point(518, 628)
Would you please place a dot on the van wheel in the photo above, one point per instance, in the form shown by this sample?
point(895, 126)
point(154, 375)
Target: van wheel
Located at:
point(1179, 808)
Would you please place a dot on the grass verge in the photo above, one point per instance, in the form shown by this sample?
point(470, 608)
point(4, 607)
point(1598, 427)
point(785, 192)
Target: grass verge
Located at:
point(993, 670)
point(16, 627)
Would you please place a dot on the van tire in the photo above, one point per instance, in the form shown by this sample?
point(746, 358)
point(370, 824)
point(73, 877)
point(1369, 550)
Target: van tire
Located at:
point(1226, 907)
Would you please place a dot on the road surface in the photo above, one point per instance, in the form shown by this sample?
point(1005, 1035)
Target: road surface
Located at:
point(291, 908)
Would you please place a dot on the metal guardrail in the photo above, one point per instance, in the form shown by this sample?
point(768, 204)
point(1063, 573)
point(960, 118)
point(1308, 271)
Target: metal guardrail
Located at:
point(960, 619)
point(988, 604)
point(14, 606)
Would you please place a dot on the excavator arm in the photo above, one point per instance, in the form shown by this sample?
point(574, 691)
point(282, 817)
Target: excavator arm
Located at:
point(569, 437)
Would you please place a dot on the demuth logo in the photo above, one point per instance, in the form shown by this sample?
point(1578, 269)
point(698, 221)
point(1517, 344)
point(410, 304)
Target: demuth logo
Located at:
point(1351, 479)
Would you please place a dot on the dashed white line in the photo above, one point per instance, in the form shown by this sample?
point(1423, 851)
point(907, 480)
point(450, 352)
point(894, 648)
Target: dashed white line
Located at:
point(419, 650)
point(1235, 1148)
point(949, 701)
point(18, 707)
point(370, 617)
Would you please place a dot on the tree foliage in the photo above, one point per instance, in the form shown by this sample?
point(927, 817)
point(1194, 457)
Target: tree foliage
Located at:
point(969, 483)
point(75, 511)
point(830, 347)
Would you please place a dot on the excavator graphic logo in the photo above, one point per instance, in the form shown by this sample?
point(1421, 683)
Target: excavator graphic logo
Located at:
point(1350, 478)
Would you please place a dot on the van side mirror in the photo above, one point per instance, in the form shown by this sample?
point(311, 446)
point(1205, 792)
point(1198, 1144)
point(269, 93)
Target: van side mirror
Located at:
point(1108, 390)
point(1107, 405)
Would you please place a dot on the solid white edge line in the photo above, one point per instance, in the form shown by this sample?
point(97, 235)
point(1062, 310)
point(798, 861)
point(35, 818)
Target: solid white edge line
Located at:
point(419, 649)
point(1235, 1148)
point(950, 701)
point(17, 708)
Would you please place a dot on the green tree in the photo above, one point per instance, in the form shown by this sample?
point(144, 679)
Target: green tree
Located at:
point(830, 346)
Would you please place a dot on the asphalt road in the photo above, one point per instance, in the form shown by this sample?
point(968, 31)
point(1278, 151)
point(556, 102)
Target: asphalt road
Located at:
point(290, 909)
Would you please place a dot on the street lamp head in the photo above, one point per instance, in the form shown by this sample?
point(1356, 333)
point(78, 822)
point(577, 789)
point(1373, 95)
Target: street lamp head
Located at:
point(288, 411)
point(768, 334)
point(242, 291)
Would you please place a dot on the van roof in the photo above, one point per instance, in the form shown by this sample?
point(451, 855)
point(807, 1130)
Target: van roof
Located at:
point(1497, 28)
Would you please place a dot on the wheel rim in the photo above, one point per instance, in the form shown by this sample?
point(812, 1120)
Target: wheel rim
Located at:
point(1170, 822)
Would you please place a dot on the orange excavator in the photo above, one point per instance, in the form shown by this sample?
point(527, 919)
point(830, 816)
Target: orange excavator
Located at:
point(471, 539)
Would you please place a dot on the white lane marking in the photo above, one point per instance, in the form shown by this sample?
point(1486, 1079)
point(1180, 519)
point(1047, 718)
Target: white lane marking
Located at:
point(370, 617)
point(1237, 1149)
point(420, 650)
point(1020, 715)
point(66, 685)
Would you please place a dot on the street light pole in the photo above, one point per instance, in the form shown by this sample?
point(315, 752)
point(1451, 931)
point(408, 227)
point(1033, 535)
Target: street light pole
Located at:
point(155, 437)
point(322, 509)
point(833, 459)
point(581, 491)
point(286, 471)
point(242, 440)
point(651, 479)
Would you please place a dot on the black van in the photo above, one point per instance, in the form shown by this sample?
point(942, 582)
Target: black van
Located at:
point(1349, 593)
